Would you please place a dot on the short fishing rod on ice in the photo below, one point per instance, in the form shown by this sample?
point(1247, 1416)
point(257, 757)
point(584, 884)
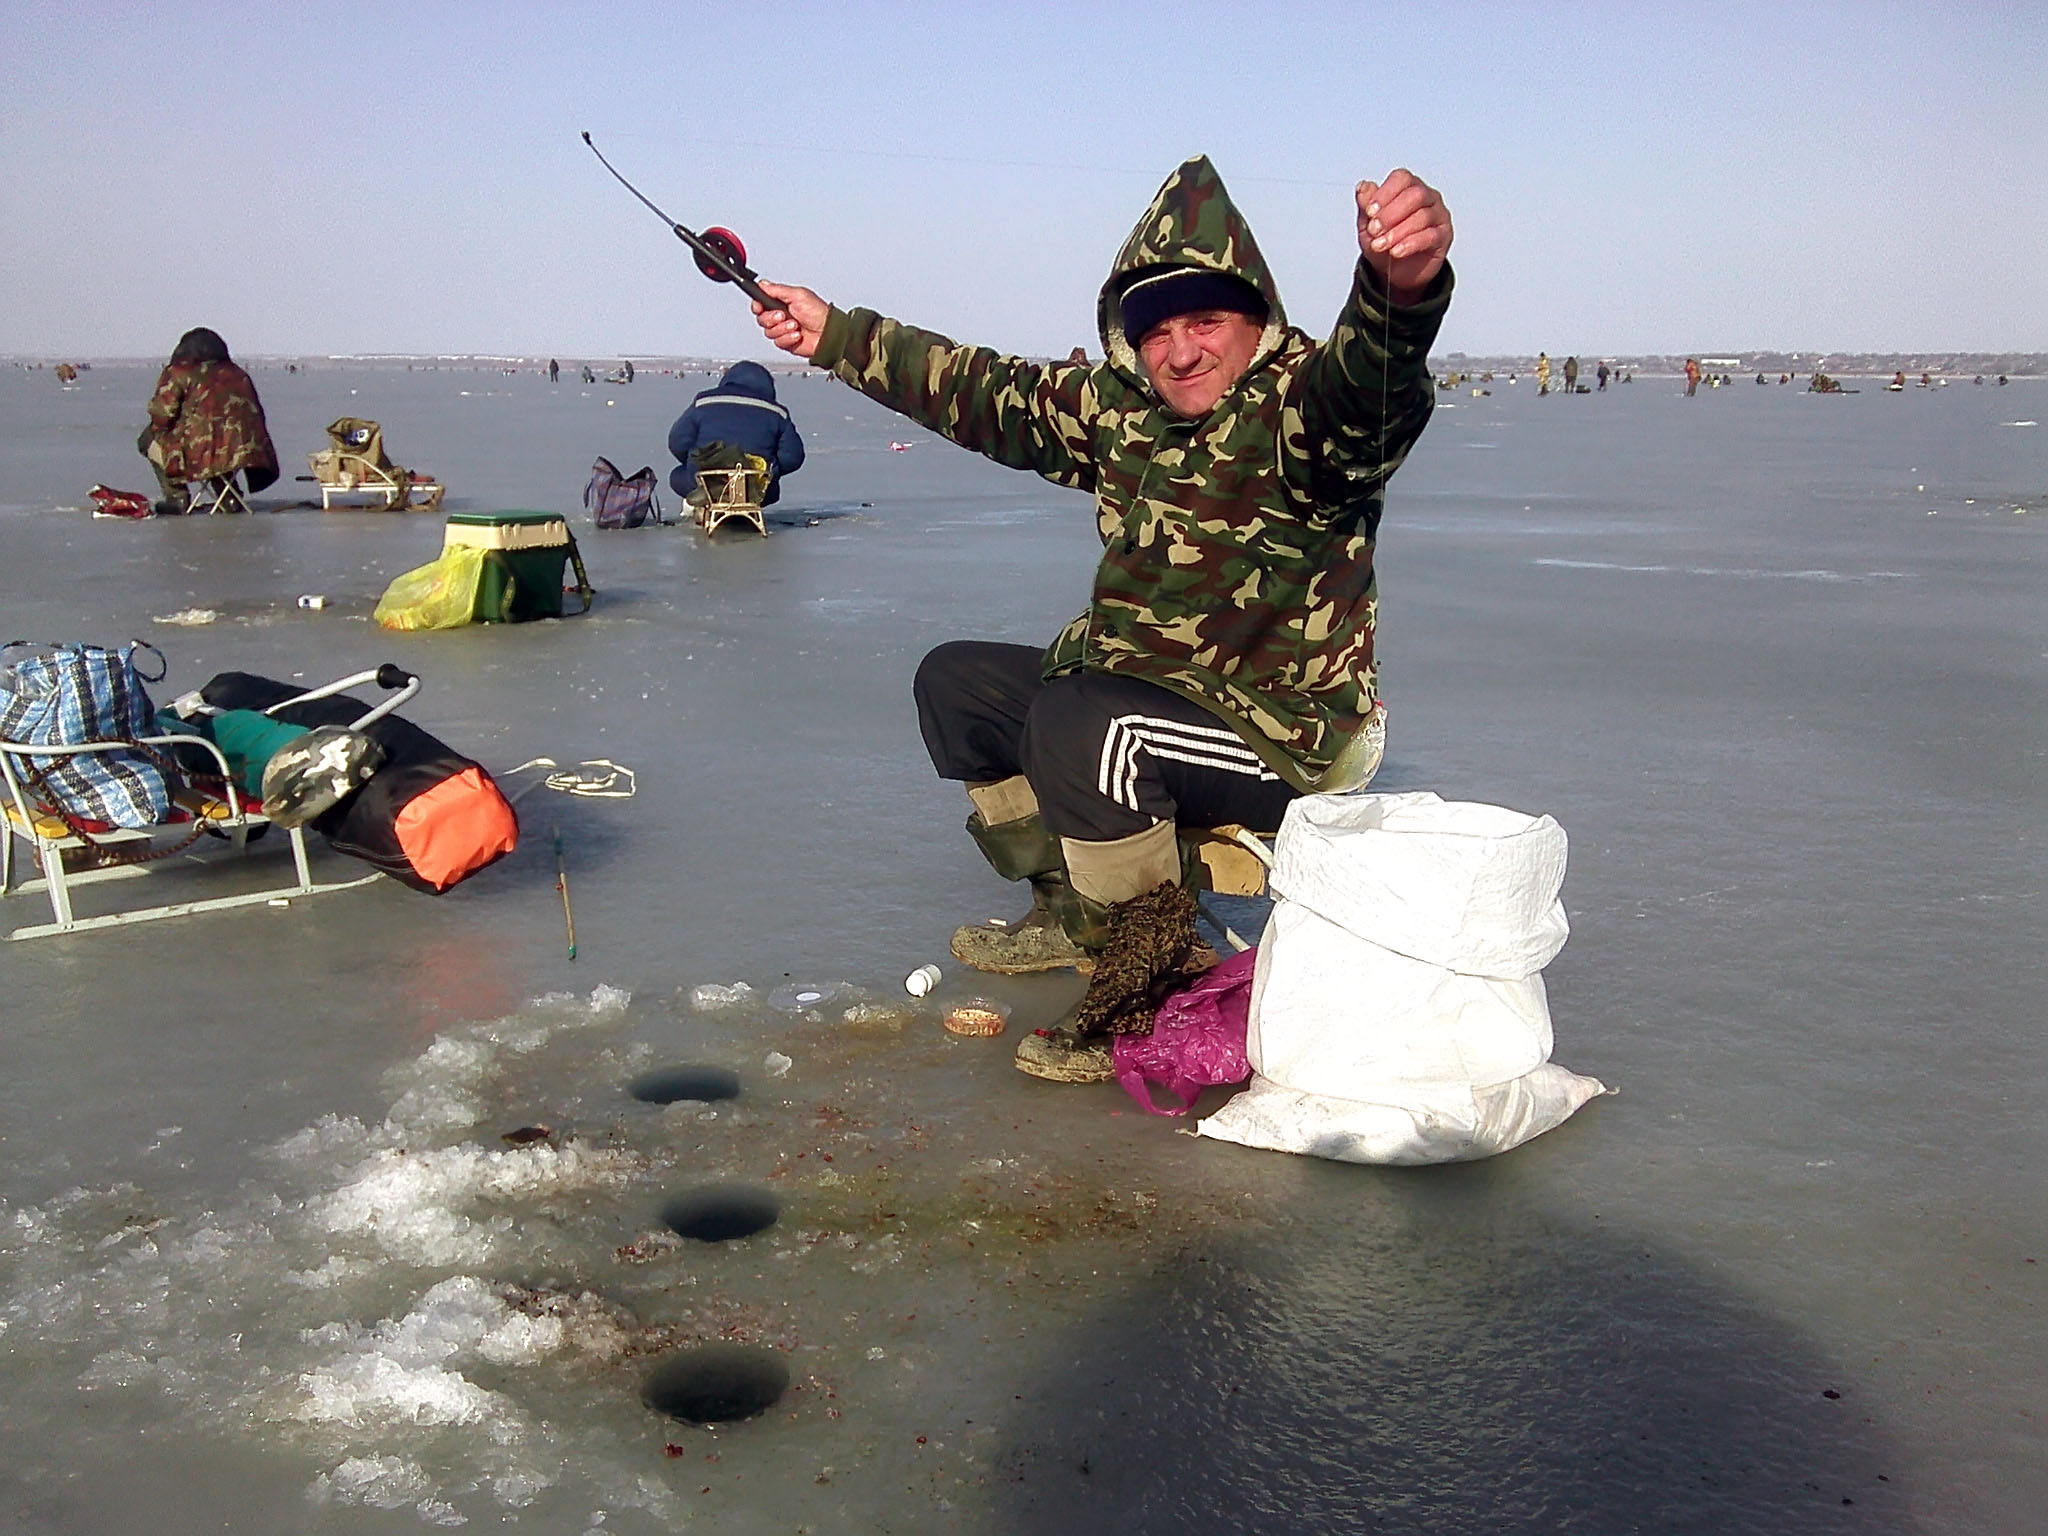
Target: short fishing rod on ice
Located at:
point(562, 885)
point(718, 252)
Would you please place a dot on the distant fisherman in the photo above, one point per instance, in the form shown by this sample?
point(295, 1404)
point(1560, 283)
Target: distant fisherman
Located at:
point(205, 423)
point(742, 413)
point(1224, 664)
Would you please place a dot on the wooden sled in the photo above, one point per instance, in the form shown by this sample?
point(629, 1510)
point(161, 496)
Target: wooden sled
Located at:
point(726, 495)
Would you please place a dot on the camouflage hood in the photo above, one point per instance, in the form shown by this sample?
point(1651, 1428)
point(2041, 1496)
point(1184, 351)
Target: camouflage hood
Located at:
point(1191, 223)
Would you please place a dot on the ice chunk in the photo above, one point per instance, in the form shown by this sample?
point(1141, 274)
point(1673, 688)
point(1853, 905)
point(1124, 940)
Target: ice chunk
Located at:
point(607, 999)
point(711, 996)
point(326, 1140)
point(383, 1482)
point(775, 1064)
point(412, 1204)
point(405, 1371)
point(369, 1388)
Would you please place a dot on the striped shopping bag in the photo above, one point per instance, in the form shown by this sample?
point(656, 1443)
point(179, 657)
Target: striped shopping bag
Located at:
point(71, 694)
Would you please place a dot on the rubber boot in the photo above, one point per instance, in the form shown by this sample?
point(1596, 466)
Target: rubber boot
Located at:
point(1131, 894)
point(1022, 849)
point(174, 498)
point(1152, 953)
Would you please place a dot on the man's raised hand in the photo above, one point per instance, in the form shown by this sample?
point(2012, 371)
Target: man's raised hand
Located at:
point(797, 326)
point(1404, 233)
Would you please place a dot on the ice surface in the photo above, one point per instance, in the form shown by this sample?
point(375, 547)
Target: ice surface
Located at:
point(1792, 723)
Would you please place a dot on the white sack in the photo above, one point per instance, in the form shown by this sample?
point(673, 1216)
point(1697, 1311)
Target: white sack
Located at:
point(1449, 1129)
point(1470, 887)
point(1397, 1013)
point(1334, 1013)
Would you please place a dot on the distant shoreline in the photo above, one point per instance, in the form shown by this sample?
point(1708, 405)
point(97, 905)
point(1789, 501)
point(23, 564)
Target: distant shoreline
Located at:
point(1851, 365)
point(2018, 365)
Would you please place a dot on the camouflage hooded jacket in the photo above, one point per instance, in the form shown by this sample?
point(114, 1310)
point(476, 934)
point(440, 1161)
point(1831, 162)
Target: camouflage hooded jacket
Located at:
point(209, 422)
point(1237, 566)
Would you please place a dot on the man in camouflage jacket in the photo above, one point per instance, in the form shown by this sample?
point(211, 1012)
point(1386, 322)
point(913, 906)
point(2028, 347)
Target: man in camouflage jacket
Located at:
point(1225, 662)
point(205, 423)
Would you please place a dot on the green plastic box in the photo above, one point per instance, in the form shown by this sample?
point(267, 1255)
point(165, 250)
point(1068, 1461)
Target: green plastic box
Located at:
point(522, 577)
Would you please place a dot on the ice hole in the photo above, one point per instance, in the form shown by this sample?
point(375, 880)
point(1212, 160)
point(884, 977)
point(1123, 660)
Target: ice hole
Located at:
point(718, 1213)
point(717, 1383)
point(668, 1085)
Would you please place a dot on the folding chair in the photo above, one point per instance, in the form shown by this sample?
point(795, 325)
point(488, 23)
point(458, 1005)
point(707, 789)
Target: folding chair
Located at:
point(228, 498)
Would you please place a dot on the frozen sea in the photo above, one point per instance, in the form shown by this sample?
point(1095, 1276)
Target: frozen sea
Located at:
point(1775, 661)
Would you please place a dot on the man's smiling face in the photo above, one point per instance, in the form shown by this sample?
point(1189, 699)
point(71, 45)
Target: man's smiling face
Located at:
point(1194, 359)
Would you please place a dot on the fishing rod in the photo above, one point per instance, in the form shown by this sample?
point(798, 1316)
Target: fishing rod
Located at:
point(562, 885)
point(718, 252)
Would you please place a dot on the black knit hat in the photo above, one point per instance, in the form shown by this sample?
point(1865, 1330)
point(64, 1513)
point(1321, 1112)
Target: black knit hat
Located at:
point(1159, 293)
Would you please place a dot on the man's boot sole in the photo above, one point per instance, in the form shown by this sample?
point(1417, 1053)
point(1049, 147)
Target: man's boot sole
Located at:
point(1083, 962)
point(1058, 1070)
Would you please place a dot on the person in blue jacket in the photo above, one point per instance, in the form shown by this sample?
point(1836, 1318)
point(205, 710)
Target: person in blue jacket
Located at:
point(740, 411)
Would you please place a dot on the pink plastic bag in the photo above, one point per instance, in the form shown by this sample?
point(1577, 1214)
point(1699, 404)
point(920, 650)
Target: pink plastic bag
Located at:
point(1197, 1039)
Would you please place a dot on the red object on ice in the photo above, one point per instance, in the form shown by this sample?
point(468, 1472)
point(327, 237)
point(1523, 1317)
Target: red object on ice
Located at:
point(108, 502)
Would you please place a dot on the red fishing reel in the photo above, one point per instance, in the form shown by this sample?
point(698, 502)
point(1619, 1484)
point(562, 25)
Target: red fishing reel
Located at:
point(726, 244)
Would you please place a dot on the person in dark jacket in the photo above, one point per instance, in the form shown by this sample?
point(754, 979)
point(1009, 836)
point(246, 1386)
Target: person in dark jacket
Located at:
point(740, 411)
point(205, 423)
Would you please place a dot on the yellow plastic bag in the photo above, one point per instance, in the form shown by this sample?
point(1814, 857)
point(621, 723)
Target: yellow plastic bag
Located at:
point(437, 596)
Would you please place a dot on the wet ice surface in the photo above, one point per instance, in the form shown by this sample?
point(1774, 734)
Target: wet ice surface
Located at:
point(267, 1255)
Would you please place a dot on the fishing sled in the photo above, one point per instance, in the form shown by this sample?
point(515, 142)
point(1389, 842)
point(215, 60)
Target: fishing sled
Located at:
point(729, 495)
point(354, 464)
point(731, 484)
point(200, 790)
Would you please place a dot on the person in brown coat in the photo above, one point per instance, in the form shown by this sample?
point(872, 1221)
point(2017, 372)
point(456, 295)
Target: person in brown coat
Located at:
point(205, 423)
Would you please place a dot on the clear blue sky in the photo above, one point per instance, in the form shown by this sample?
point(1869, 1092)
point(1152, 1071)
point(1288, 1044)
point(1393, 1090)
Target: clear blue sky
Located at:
point(1626, 178)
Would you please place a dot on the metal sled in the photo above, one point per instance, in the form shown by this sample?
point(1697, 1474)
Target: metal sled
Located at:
point(354, 464)
point(209, 801)
point(232, 815)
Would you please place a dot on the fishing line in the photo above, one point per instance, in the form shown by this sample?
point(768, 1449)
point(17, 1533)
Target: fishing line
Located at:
point(977, 160)
point(612, 781)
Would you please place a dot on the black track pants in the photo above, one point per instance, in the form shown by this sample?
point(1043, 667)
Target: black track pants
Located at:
point(1106, 756)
